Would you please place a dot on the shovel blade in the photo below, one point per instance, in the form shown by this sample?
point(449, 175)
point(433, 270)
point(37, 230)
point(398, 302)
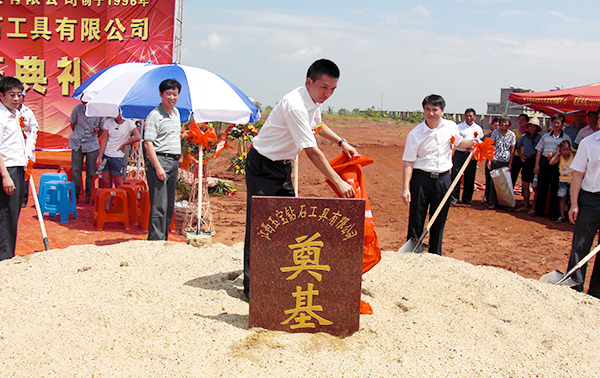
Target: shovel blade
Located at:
point(555, 277)
point(413, 245)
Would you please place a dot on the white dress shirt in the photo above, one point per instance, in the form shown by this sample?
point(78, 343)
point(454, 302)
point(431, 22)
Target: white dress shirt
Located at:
point(289, 127)
point(587, 161)
point(12, 143)
point(469, 132)
point(430, 149)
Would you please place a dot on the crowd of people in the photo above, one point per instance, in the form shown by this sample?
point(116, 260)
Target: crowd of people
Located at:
point(562, 160)
point(18, 135)
point(562, 166)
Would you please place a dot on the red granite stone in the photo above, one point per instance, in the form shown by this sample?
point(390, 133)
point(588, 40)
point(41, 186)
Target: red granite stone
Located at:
point(306, 264)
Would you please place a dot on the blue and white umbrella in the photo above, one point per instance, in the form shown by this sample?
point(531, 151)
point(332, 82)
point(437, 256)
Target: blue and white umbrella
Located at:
point(133, 87)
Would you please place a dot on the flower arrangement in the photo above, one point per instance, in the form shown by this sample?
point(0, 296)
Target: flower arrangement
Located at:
point(242, 133)
point(238, 163)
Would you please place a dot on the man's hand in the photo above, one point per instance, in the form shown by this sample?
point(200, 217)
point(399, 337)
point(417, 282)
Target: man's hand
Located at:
point(350, 151)
point(573, 213)
point(405, 196)
point(160, 173)
point(345, 189)
point(8, 185)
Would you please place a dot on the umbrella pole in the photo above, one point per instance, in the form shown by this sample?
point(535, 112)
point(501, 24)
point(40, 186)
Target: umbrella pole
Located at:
point(140, 143)
point(296, 176)
point(200, 164)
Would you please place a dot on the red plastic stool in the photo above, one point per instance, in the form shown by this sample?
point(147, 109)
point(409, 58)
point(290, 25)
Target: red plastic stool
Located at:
point(119, 211)
point(136, 182)
point(133, 201)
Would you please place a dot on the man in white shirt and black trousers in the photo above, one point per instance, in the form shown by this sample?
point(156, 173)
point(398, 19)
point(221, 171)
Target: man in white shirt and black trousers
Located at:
point(585, 209)
point(467, 129)
point(427, 164)
point(288, 130)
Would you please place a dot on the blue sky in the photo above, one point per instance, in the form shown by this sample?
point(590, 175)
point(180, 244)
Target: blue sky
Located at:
point(396, 51)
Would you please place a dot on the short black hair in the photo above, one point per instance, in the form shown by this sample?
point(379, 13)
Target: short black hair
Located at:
point(558, 116)
point(323, 67)
point(565, 143)
point(524, 115)
point(169, 84)
point(435, 100)
point(496, 119)
point(9, 82)
point(505, 119)
point(470, 110)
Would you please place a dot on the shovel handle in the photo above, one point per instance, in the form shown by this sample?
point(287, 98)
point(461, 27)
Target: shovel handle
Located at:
point(580, 264)
point(39, 214)
point(456, 179)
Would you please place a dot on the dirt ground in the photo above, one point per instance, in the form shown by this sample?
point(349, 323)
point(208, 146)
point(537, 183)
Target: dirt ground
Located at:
point(510, 240)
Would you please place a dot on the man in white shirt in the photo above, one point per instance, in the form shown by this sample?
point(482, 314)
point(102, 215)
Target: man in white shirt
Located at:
point(32, 127)
point(585, 209)
point(427, 164)
point(289, 129)
point(13, 160)
point(468, 129)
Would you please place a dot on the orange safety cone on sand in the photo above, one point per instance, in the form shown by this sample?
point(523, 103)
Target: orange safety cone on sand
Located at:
point(351, 172)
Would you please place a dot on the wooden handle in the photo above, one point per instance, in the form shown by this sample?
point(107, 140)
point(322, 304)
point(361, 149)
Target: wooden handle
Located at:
point(456, 179)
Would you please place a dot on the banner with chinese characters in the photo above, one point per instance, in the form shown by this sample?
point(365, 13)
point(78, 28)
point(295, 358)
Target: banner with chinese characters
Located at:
point(306, 264)
point(52, 46)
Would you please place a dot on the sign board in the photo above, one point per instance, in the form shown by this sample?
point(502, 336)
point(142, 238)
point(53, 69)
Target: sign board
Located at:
point(306, 264)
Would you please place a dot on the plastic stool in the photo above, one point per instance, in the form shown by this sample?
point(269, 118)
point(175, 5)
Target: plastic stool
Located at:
point(118, 212)
point(49, 176)
point(58, 198)
point(136, 182)
point(134, 199)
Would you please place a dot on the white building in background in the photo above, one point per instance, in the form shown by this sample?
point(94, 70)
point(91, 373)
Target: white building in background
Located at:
point(514, 109)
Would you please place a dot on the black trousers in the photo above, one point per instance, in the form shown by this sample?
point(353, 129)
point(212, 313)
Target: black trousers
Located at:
point(10, 209)
point(547, 179)
point(517, 164)
point(427, 193)
point(162, 197)
point(458, 160)
point(90, 169)
point(586, 227)
point(264, 177)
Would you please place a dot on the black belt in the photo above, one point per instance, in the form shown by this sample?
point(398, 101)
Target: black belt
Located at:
point(432, 175)
point(284, 162)
point(174, 156)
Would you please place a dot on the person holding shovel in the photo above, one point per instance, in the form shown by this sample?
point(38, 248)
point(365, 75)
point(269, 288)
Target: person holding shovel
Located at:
point(427, 164)
point(289, 129)
point(585, 209)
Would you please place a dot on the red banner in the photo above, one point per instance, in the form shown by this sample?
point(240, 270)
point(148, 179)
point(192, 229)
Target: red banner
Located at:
point(53, 46)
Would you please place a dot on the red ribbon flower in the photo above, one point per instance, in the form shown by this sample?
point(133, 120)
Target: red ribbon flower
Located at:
point(318, 128)
point(452, 139)
point(24, 128)
point(484, 150)
point(202, 138)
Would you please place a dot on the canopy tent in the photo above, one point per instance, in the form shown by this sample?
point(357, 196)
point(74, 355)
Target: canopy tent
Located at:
point(565, 101)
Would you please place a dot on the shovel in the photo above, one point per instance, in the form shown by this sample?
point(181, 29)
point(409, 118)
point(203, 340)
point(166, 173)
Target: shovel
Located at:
point(417, 246)
point(39, 214)
point(557, 278)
